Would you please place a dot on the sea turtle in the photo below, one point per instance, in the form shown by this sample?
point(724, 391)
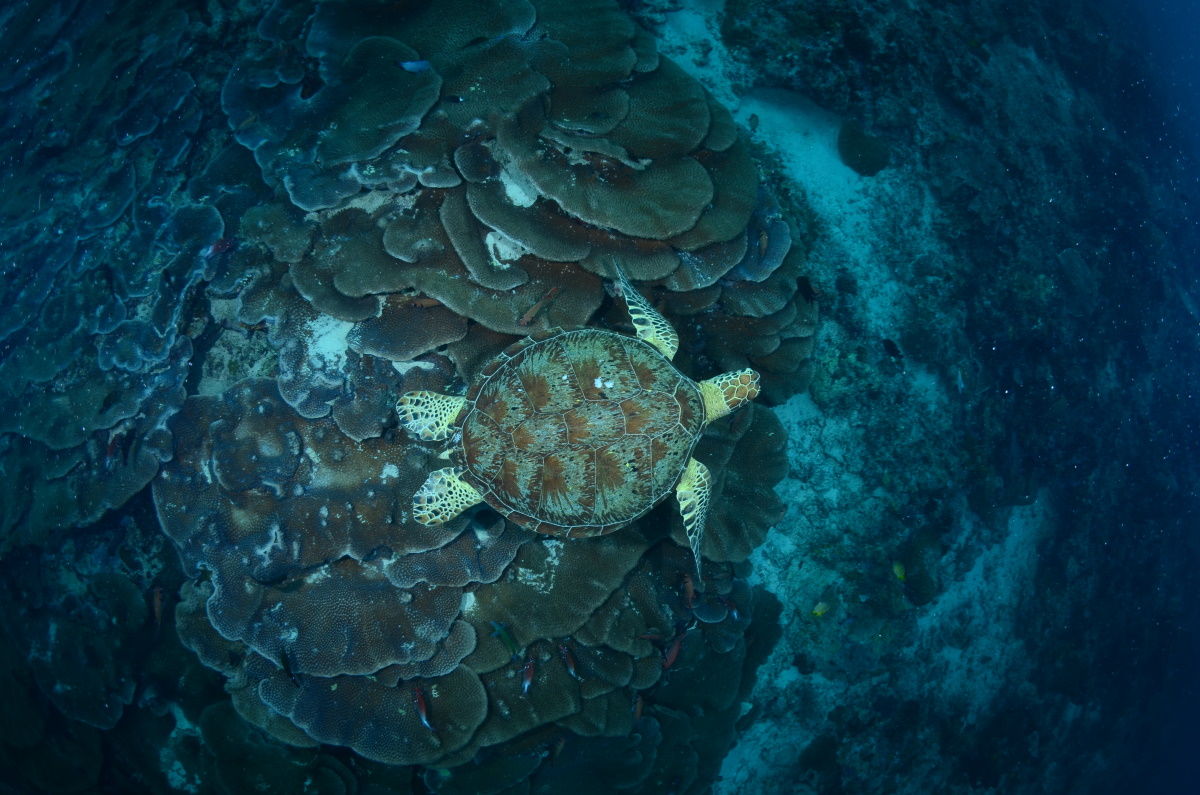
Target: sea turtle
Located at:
point(577, 432)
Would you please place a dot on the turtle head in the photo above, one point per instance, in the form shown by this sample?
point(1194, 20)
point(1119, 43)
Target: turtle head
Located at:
point(728, 391)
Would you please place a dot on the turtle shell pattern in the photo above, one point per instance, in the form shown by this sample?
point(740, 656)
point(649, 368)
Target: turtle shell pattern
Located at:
point(577, 432)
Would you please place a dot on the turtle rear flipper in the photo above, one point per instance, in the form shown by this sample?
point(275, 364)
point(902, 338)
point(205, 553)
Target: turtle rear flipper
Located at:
point(692, 493)
point(429, 415)
point(443, 496)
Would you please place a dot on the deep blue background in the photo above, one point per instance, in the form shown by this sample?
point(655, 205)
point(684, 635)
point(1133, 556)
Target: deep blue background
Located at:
point(1169, 32)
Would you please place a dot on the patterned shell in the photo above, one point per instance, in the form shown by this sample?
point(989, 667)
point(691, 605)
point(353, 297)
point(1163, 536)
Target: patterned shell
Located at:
point(578, 432)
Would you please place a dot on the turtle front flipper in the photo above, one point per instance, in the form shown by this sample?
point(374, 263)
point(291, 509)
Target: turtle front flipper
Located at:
point(692, 493)
point(650, 326)
point(430, 415)
point(725, 392)
point(443, 496)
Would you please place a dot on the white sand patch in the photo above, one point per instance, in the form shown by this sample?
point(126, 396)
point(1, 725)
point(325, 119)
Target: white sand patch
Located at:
point(859, 214)
point(983, 606)
point(691, 37)
point(805, 134)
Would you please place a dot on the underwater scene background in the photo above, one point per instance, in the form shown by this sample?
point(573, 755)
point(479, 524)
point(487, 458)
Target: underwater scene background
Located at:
point(950, 547)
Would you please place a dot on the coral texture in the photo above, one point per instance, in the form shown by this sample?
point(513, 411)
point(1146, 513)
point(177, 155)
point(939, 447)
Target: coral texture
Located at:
point(260, 231)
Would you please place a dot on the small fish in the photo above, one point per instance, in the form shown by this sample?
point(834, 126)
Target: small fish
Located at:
point(638, 705)
point(569, 661)
point(528, 317)
point(820, 609)
point(422, 708)
point(425, 303)
point(527, 676)
point(688, 590)
point(501, 632)
point(672, 652)
point(218, 248)
point(416, 67)
point(725, 574)
point(556, 749)
point(157, 602)
point(962, 386)
point(286, 664)
point(738, 421)
point(898, 570)
point(892, 349)
point(808, 289)
point(114, 451)
point(763, 242)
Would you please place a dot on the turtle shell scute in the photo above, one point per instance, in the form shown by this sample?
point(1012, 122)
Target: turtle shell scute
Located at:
point(577, 432)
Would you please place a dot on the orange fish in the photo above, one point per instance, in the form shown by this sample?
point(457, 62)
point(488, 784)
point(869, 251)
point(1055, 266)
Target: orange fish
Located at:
point(672, 653)
point(527, 676)
point(689, 591)
point(422, 708)
point(114, 451)
point(528, 317)
point(569, 661)
point(218, 247)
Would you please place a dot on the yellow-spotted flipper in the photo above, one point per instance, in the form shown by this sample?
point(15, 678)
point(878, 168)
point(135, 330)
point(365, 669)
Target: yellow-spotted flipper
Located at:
point(443, 496)
point(429, 415)
point(647, 322)
point(692, 493)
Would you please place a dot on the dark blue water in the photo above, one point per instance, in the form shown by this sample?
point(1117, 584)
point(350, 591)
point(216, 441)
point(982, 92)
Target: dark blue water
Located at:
point(1166, 32)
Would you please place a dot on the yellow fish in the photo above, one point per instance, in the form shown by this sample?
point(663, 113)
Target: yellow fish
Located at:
point(821, 609)
point(898, 570)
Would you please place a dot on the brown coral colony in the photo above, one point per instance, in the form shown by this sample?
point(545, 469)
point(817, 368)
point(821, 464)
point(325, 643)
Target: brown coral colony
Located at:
point(464, 175)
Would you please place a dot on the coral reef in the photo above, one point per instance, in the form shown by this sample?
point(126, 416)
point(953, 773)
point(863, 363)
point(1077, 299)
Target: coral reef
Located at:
point(529, 173)
point(311, 552)
point(101, 264)
point(241, 238)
